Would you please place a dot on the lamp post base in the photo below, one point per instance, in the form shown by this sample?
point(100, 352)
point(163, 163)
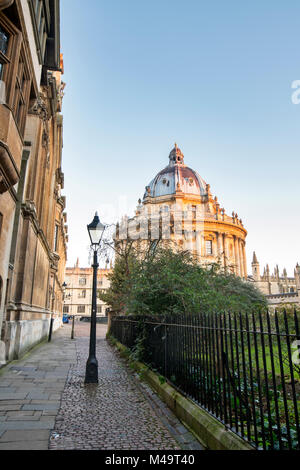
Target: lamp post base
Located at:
point(91, 373)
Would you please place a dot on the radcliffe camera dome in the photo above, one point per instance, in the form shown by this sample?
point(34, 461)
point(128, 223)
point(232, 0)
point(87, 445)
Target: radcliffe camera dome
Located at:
point(176, 177)
point(180, 212)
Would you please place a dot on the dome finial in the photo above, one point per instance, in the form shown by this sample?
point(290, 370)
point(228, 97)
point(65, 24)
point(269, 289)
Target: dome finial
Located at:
point(176, 156)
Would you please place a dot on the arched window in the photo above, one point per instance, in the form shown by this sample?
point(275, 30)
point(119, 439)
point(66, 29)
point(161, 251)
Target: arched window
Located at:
point(209, 247)
point(4, 40)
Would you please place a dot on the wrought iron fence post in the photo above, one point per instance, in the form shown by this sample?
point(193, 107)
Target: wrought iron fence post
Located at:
point(238, 368)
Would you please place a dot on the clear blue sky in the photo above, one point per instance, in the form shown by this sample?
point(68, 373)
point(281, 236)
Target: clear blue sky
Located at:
point(213, 76)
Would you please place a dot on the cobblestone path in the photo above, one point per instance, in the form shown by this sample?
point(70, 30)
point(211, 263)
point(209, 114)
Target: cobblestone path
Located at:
point(116, 414)
point(44, 403)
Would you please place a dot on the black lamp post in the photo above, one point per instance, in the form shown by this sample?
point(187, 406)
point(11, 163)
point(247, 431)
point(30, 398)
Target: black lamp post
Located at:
point(96, 230)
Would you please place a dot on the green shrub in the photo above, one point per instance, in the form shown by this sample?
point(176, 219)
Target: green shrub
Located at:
point(172, 282)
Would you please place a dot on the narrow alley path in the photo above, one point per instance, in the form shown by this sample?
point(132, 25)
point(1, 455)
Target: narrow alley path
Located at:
point(44, 403)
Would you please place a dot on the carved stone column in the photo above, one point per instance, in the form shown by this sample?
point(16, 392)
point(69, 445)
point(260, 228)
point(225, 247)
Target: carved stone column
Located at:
point(244, 259)
point(225, 250)
point(237, 261)
point(215, 246)
point(241, 258)
point(198, 243)
point(220, 248)
point(203, 253)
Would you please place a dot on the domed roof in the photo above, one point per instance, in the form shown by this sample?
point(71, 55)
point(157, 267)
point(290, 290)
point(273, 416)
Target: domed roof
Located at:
point(176, 177)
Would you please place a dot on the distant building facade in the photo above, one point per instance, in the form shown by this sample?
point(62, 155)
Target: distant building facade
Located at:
point(179, 211)
point(279, 289)
point(78, 291)
point(33, 232)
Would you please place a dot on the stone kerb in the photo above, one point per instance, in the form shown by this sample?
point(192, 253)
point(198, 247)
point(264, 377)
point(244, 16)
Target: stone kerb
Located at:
point(209, 431)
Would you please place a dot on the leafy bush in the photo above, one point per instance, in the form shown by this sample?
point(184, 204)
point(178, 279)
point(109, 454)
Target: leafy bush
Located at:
point(173, 282)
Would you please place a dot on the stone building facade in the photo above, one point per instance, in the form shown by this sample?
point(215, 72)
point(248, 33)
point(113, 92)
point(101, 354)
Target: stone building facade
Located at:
point(279, 289)
point(179, 210)
point(33, 232)
point(78, 291)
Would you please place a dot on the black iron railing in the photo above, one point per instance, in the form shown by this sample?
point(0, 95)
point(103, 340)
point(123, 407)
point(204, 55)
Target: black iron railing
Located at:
point(244, 369)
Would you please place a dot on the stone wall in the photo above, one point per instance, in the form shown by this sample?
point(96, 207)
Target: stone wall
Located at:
point(21, 336)
point(33, 239)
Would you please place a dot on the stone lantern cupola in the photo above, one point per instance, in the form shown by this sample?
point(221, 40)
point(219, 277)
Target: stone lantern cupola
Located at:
point(176, 157)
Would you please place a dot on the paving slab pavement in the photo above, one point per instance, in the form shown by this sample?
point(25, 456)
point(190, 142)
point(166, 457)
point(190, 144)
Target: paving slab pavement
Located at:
point(26, 392)
point(44, 403)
